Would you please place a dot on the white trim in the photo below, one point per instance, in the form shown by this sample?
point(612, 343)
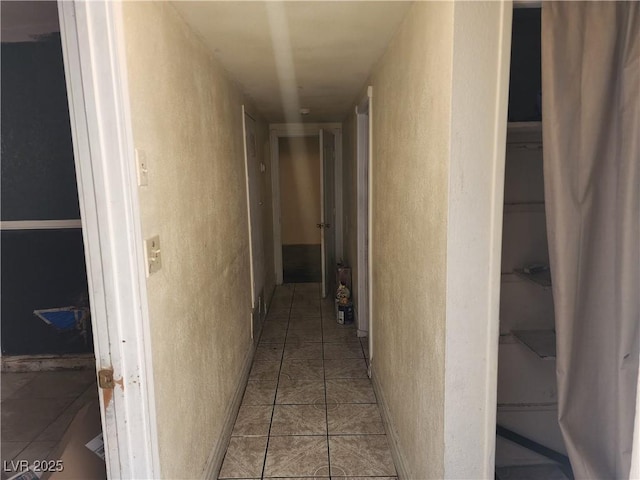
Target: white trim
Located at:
point(95, 66)
point(339, 201)
point(362, 208)
point(288, 130)
point(482, 35)
point(323, 215)
point(495, 244)
point(249, 228)
point(214, 463)
point(40, 224)
point(635, 449)
point(370, 213)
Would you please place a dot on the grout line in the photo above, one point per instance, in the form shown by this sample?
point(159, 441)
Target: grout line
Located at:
point(324, 378)
point(275, 397)
point(323, 316)
point(363, 352)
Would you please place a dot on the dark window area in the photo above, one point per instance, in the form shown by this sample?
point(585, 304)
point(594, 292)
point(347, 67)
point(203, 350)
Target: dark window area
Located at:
point(525, 83)
point(38, 173)
point(41, 269)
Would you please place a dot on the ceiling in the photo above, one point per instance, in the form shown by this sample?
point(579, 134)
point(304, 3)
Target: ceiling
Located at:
point(297, 54)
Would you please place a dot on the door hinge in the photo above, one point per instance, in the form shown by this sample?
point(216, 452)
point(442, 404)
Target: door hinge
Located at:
point(105, 378)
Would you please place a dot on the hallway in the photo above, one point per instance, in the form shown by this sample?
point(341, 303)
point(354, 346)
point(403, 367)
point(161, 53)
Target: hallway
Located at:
point(309, 408)
point(180, 109)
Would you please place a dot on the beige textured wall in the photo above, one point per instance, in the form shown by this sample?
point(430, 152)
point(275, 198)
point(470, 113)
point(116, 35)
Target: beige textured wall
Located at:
point(411, 130)
point(187, 117)
point(299, 166)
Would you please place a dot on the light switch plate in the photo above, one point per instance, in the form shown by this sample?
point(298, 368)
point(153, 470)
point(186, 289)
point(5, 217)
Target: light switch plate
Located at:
point(143, 168)
point(152, 254)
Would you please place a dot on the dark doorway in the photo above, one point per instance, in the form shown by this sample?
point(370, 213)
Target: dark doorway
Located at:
point(299, 159)
point(301, 263)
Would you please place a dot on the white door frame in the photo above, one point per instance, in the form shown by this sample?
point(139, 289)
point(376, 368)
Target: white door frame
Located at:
point(96, 77)
point(363, 206)
point(339, 200)
point(293, 130)
point(247, 184)
point(253, 212)
point(478, 125)
point(327, 212)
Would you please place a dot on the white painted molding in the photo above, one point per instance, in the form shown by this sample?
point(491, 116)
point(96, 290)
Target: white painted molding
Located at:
point(362, 207)
point(338, 189)
point(249, 229)
point(635, 449)
point(96, 77)
point(214, 464)
point(482, 46)
point(288, 130)
point(40, 224)
point(324, 216)
point(370, 214)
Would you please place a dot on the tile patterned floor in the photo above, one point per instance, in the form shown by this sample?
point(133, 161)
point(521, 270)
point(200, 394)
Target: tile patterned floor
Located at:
point(309, 410)
point(37, 408)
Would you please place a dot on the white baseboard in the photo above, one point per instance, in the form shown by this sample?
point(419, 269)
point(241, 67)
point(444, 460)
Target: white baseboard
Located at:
point(45, 363)
point(392, 435)
point(214, 464)
point(268, 298)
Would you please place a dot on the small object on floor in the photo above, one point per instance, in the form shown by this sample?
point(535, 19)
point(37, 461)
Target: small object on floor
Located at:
point(535, 268)
point(343, 294)
point(343, 276)
point(345, 313)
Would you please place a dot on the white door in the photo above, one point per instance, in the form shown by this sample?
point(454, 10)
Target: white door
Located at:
point(114, 252)
point(254, 205)
point(328, 211)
